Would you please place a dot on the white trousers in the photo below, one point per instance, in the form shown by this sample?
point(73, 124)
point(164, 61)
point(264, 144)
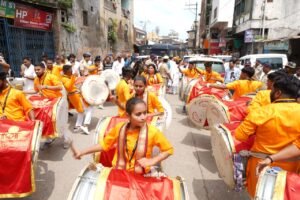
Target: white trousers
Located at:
point(86, 117)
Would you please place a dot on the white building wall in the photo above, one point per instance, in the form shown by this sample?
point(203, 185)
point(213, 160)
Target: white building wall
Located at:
point(224, 12)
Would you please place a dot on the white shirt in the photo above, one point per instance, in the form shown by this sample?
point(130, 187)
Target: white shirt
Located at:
point(117, 66)
point(75, 67)
point(29, 72)
point(264, 79)
point(232, 74)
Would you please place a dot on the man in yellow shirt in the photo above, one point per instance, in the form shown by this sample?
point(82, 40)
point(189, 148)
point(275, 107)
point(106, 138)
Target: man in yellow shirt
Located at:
point(96, 68)
point(48, 85)
point(13, 103)
point(275, 126)
point(123, 93)
point(211, 76)
point(191, 71)
point(51, 69)
point(243, 86)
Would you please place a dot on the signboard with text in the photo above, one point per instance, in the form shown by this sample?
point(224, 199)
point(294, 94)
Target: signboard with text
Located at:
point(249, 36)
point(7, 9)
point(28, 17)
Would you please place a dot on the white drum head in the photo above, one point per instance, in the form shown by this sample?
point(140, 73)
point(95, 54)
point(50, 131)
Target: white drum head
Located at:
point(197, 110)
point(168, 111)
point(217, 113)
point(111, 78)
point(62, 116)
point(223, 148)
point(94, 90)
point(188, 88)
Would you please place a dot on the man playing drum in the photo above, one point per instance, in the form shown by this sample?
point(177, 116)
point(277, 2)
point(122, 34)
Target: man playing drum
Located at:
point(14, 105)
point(51, 69)
point(243, 86)
point(76, 100)
point(135, 141)
point(191, 72)
point(211, 76)
point(48, 85)
point(96, 68)
point(123, 93)
point(275, 126)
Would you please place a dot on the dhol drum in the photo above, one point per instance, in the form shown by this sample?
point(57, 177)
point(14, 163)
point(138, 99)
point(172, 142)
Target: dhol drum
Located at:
point(199, 88)
point(188, 88)
point(167, 118)
point(226, 148)
point(277, 184)
point(105, 124)
point(94, 90)
point(225, 111)
point(111, 78)
point(52, 112)
point(18, 151)
point(197, 110)
point(107, 183)
point(16, 83)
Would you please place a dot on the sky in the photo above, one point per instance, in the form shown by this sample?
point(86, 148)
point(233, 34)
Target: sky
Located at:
point(167, 14)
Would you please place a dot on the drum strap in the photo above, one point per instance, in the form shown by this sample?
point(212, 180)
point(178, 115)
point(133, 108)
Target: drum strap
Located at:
point(5, 100)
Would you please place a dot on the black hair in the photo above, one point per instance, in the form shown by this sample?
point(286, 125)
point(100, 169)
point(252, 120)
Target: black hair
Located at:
point(3, 75)
point(50, 59)
point(288, 85)
point(207, 64)
point(131, 104)
point(272, 76)
point(27, 58)
point(66, 68)
point(127, 72)
point(141, 78)
point(152, 65)
point(97, 59)
point(249, 71)
point(72, 55)
point(42, 65)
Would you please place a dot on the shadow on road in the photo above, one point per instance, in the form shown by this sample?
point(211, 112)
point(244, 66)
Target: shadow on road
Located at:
point(206, 160)
point(55, 152)
point(216, 190)
point(197, 140)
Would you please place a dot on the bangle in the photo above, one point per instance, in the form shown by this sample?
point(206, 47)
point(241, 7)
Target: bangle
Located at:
point(270, 159)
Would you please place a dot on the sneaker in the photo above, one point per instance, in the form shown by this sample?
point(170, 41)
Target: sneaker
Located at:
point(67, 143)
point(49, 141)
point(70, 114)
point(85, 130)
point(76, 129)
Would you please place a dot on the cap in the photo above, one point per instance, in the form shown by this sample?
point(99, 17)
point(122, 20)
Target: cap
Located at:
point(166, 57)
point(87, 54)
point(151, 64)
point(291, 65)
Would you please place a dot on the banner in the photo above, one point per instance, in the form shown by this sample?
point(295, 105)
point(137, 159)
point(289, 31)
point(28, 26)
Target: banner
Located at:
point(249, 36)
point(17, 179)
point(28, 17)
point(7, 9)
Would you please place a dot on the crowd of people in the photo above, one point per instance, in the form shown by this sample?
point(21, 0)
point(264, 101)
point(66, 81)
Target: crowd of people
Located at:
point(273, 113)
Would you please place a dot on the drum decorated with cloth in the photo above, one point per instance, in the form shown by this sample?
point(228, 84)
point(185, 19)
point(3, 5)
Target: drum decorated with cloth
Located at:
point(197, 110)
point(105, 124)
point(188, 88)
point(17, 83)
point(94, 90)
point(225, 111)
point(52, 112)
point(226, 148)
point(277, 184)
point(111, 78)
point(107, 183)
point(19, 150)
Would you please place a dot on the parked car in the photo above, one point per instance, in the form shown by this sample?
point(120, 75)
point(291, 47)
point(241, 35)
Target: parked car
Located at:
point(217, 64)
point(277, 61)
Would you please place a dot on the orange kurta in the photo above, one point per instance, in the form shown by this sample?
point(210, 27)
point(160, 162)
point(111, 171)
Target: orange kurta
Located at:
point(276, 126)
point(242, 87)
point(153, 104)
point(49, 80)
point(74, 95)
point(17, 106)
point(262, 98)
point(190, 73)
point(212, 77)
point(155, 138)
point(153, 79)
point(56, 70)
point(93, 70)
point(123, 94)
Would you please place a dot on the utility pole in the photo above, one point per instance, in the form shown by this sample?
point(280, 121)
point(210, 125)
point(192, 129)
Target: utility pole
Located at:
point(194, 7)
point(263, 19)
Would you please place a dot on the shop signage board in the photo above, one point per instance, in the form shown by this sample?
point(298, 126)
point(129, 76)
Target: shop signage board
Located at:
point(29, 17)
point(7, 9)
point(249, 36)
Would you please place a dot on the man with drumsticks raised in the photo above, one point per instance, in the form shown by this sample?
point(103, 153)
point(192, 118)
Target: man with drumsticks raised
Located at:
point(48, 85)
point(275, 127)
point(14, 105)
point(76, 100)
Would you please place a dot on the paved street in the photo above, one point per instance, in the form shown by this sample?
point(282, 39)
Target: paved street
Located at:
point(57, 170)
